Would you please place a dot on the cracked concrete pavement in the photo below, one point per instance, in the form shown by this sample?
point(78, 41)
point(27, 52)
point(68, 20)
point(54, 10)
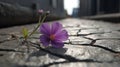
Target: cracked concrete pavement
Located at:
point(91, 44)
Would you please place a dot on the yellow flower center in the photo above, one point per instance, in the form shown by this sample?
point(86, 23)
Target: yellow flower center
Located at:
point(52, 37)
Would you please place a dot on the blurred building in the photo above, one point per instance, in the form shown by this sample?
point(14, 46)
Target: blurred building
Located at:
point(75, 12)
point(17, 12)
point(98, 7)
point(56, 7)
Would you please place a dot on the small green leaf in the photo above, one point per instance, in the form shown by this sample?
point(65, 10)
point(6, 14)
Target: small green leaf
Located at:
point(25, 32)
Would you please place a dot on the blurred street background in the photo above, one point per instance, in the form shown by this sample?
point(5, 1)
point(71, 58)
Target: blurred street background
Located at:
point(17, 12)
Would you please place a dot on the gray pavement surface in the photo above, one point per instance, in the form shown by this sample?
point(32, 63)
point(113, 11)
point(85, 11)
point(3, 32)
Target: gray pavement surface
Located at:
point(91, 44)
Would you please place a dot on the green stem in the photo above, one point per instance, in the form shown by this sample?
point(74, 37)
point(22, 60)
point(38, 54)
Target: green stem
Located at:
point(39, 23)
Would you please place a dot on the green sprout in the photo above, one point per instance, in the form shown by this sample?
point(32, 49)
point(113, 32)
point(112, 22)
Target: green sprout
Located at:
point(42, 18)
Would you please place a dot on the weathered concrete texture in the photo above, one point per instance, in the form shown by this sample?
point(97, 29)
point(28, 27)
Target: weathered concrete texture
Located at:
point(87, 52)
point(79, 40)
point(90, 44)
point(86, 65)
point(112, 44)
point(90, 31)
point(73, 31)
point(34, 58)
point(104, 36)
point(70, 53)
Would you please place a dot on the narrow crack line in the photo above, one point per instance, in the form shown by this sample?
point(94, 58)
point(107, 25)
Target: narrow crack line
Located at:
point(89, 28)
point(94, 40)
point(9, 50)
point(89, 34)
point(67, 42)
point(97, 33)
point(109, 39)
point(105, 48)
point(88, 38)
point(83, 34)
point(67, 57)
point(72, 34)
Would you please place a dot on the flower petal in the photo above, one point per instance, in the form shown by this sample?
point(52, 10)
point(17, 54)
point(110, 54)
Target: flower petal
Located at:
point(56, 27)
point(57, 44)
point(45, 29)
point(44, 40)
point(61, 36)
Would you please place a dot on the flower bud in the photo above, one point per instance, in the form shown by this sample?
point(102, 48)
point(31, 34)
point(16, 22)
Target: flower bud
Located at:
point(40, 11)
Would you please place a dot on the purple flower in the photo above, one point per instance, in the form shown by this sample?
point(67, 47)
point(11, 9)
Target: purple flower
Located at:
point(53, 34)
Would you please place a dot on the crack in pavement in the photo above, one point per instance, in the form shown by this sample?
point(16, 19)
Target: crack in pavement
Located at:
point(105, 48)
point(67, 57)
point(9, 50)
point(73, 59)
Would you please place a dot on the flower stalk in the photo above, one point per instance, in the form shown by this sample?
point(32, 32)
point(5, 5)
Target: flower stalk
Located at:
point(40, 21)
